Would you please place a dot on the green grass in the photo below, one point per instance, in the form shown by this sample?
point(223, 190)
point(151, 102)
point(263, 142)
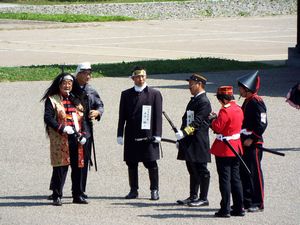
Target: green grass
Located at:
point(37, 73)
point(39, 2)
point(66, 18)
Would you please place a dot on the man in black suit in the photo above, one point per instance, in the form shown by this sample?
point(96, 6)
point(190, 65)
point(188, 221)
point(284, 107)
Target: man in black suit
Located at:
point(193, 140)
point(140, 114)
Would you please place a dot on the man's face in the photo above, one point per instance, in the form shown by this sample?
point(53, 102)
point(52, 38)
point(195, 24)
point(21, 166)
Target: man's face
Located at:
point(139, 80)
point(83, 77)
point(194, 87)
point(243, 91)
point(65, 87)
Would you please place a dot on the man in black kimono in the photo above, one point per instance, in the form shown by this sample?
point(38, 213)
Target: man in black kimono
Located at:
point(140, 113)
point(94, 109)
point(254, 125)
point(193, 140)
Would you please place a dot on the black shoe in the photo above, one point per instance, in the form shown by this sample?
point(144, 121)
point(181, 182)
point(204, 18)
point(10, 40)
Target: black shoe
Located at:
point(222, 214)
point(237, 213)
point(186, 201)
point(57, 202)
point(198, 203)
point(132, 195)
point(154, 195)
point(50, 197)
point(79, 200)
point(84, 195)
point(255, 209)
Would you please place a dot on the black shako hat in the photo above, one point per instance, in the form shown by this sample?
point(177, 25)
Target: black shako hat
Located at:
point(250, 81)
point(198, 78)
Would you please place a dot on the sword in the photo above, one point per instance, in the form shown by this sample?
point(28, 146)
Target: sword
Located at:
point(150, 139)
point(270, 151)
point(236, 154)
point(170, 122)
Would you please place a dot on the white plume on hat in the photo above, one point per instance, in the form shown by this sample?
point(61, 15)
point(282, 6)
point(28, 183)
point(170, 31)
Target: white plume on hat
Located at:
point(83, 66)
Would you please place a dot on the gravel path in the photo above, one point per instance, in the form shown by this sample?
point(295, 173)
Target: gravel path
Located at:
point(171, 10)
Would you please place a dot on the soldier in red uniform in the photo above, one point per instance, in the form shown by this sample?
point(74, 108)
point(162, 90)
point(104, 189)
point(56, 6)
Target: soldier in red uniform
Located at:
point(254, 125)
point(227, 126)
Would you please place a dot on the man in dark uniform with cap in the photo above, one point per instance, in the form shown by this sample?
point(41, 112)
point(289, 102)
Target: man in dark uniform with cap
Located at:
point(193, 140)
point(254, 125)
point(140, 113)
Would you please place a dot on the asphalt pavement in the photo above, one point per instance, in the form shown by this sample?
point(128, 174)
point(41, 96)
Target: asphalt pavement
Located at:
point(25, 162)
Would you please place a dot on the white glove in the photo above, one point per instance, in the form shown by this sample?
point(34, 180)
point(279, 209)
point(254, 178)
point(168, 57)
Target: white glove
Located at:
point(157, 139)
point(68, 130)
point(82, 140)
point(120, 140)
point(179, 135)
point(177, 145)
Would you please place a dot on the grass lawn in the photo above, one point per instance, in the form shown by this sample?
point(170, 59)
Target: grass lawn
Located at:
point(48, 72)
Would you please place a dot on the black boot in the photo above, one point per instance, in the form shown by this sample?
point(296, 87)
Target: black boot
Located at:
point(153, 176)
point(194, 189)
point(133, 183)
point(204, 185)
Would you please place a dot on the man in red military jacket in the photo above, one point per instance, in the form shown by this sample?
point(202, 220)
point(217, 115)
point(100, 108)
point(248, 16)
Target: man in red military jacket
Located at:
point(228, 126)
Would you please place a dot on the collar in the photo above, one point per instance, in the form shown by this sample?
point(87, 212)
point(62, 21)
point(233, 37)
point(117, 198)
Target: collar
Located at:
point(201, 92)
point(140, 89)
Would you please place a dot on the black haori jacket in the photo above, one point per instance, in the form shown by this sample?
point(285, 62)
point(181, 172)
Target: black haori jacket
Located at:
point(195, 147)
point(255, 118)
point(130, 117)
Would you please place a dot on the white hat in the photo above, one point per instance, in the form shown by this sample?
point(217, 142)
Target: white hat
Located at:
point(83, 66)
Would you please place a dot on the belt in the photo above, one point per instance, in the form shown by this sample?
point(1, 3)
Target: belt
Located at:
point(246, 132)
point(232, 137)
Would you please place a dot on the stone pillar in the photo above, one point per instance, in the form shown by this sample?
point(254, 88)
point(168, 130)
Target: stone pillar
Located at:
point(294, 53)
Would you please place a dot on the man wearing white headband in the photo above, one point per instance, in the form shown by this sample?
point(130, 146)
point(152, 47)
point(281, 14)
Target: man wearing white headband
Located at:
point(140, 116)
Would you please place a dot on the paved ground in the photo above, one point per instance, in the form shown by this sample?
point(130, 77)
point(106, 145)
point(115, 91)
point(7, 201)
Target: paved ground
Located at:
point(24, 160)
point(246, 39)
point(26, 170)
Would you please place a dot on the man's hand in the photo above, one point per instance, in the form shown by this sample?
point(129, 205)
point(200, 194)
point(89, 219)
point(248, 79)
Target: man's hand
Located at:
point(156, 139)
point(248, 142)
point(120, 140)
point(82, 140)
point(179, 135)
point(68, 130)
point(93, 114)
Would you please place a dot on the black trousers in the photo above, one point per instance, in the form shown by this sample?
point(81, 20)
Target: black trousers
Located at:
point(87, 158)
point(199, 177)
point(59, 173)
point(253, 185)
point(229, 182)
point(133, 174)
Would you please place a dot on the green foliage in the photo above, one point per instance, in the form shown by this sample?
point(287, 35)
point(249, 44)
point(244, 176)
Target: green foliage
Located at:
point(36, 73)
point(67, 18)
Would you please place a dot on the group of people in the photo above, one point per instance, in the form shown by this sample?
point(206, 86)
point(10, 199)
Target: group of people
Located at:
point(70, 105)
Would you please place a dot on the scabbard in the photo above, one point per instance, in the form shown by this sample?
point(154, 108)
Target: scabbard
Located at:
point(270, 151)
point(236, 154)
